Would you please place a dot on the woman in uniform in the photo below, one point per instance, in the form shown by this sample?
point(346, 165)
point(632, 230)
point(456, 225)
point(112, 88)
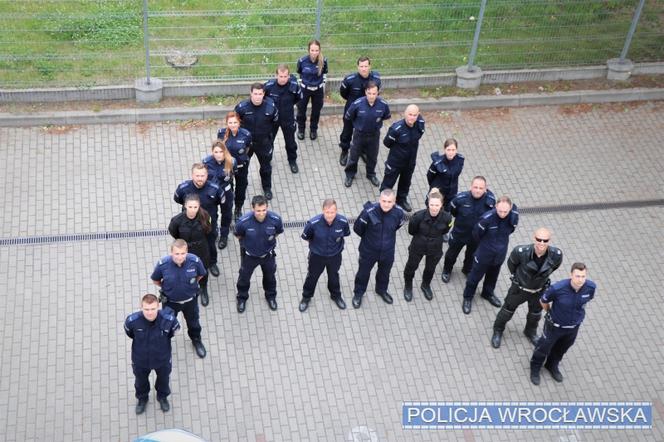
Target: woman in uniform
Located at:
point(221, 168)
point(313, 73)
point(238, 142)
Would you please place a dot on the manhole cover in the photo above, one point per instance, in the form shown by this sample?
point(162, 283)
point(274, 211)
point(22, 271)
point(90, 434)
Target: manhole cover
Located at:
point(179, 59)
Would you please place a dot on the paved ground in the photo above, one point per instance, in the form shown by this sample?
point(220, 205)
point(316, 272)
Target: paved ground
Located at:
point(327, 374)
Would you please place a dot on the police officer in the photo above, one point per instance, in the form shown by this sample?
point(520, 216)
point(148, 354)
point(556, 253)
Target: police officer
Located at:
point(259, 115)
point(286, 93)
point(151, 331)
point(238, 142)
point(492, 234)
point(530, 266)
point(467, 208)
point(221, 167)
point(178, 275)
point(257, 231)
point(313, 74)
point(565, 303)
point(377, 225)
point(427, 227)
point(445, 169)
point(367, 115)
point(352, 87)
point(403, 139)
point(325, 233)
point(211, 196)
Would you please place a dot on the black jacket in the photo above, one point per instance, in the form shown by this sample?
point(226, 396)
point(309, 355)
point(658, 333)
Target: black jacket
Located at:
point(191, 230)
point(524, 269)
point(428, 231)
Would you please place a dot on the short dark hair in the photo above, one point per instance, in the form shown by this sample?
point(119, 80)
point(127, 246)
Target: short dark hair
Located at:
point(370, 85)
point(363, 58)
point(329, 202)
point(257, 86)
point(258, 200)
point(578, 266)
point(479, 177)
point(449, 142)
point(149, 298)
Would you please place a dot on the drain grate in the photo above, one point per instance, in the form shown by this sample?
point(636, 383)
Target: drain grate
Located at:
point(51, 239)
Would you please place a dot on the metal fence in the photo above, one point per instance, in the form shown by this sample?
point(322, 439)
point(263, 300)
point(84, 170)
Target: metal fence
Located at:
point(83, 43)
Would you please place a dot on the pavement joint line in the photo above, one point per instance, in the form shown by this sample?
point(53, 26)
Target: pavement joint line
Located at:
point(102, 236)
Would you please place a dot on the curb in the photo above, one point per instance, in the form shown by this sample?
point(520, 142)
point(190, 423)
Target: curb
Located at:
point(124, 116)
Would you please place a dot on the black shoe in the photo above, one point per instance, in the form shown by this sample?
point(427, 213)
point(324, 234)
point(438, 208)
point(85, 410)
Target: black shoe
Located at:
point(214, 270)
point(222, 243)
point(343, 158)
point(357, 301)
point(348, 181)
point(496, 338)
point(272, 303)
point(241, 305)
point(304, 304)
point(200, 349)
point(532, 337)
point(163, 404)
point(445, 277)
point(238, 214)
point(405, 205)
point(340, 303)
point(426, 289)
point(268, 194)
point(293, 167)
point(313, 134)
point(140, 406)
point(466, 306)
point(386, 297)
point(408, 293)
point(374, 180)
point(300, 135)
point(205, 297)
point(535, 377)
point(555, 373)
point(493, 300)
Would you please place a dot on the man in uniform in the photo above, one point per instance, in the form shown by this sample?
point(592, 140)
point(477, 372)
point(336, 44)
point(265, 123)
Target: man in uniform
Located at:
point(377, 225)
point(492, 234)
point(530, 266)
point(257, 232)
point(151, 331)
point(565, 304)
point(352, 87)
point(285, 91)
point(467, 208)
point(403, 139)
point(325, 233)
point(211, 196)
point(367, 115)
point(259, 115)
point(177, 275)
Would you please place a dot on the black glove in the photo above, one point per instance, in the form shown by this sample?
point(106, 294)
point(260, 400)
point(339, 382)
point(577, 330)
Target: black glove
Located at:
point(162, 297)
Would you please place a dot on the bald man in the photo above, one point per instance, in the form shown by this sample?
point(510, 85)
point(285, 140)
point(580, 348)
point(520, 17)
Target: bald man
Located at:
point(530, 266)
point(403, 139)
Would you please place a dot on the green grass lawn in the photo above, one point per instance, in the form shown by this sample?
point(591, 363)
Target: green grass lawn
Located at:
point(84, 43)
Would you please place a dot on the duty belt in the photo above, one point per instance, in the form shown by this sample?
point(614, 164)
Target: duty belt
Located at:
point(314, 88)
point(527, 289)
point(548, 318)
point(181, 302)
point(261, 256)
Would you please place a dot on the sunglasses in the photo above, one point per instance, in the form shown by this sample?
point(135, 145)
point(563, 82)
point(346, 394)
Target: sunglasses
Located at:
point(541, 240)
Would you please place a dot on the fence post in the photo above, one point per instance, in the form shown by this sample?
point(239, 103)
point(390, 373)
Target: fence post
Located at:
point(621, 68)
point(148, 90)
point(470, 76)
point(319, 13)
point(146, 41)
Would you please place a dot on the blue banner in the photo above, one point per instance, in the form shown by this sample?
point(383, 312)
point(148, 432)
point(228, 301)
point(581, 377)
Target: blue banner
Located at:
point(527, 415)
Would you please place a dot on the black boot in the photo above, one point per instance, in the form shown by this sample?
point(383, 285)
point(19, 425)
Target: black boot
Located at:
point(408, 291)
point(205, 298)
point(530, 331)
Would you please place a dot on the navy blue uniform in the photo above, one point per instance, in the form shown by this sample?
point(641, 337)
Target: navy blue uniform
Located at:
point(257, 243)
point(180, 285)
point(313, 88)
point(326, 242)
point(367, 121)
point(467, 212)
point(352, 87)
point(151, 350)
point(212, 196)
point(403, 142)
point(444, 174)
point(217, 174)
point(191, 231)
point(492, 234)
point(378, 231)
point(562, 322)
point(285, 97)
point(427, 241)
point(260, 120)
point(239, 145)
